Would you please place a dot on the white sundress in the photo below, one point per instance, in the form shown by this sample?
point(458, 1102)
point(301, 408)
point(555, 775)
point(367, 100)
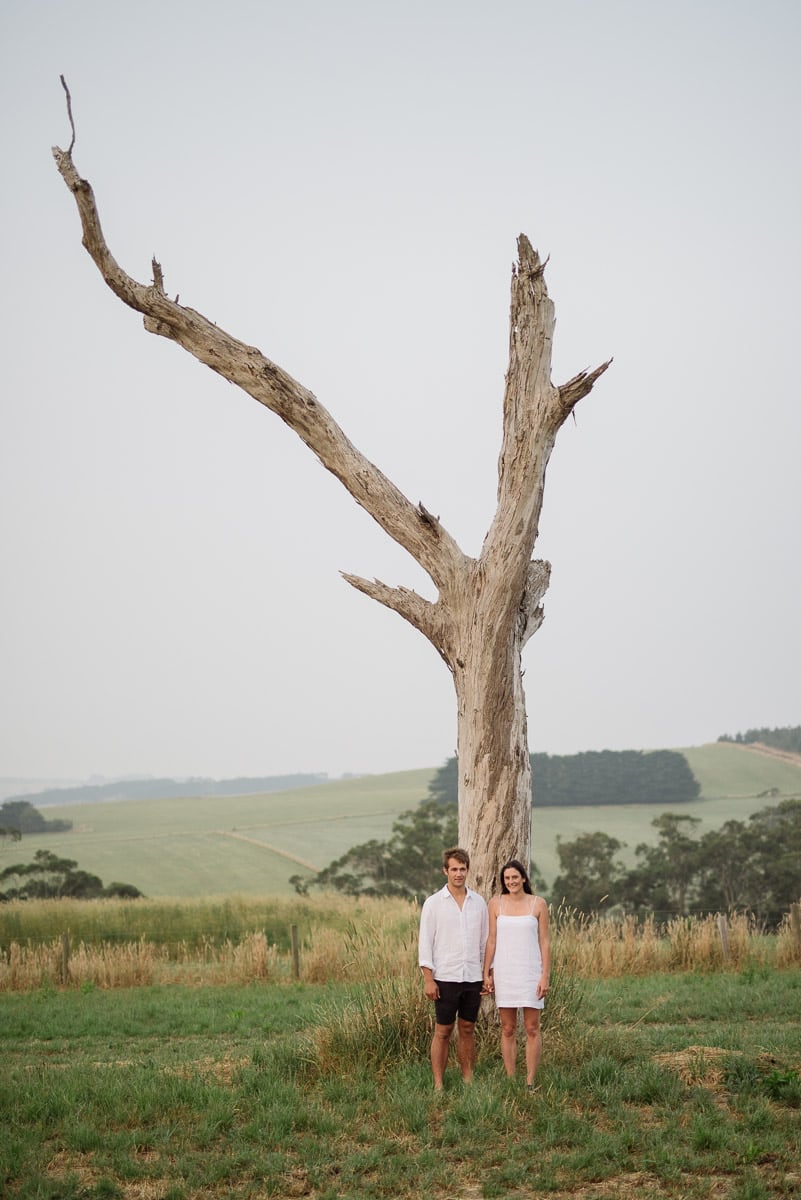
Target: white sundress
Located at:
point(517, 966)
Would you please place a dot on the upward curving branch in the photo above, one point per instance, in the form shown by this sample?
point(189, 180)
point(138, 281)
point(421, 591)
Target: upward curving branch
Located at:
point(409, 525)
point(534, 410)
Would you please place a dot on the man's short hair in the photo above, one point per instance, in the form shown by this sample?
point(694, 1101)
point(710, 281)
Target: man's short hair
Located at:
point(460, 855)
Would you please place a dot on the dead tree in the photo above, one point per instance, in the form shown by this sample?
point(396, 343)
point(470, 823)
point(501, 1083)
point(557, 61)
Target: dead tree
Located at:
point(487, 607)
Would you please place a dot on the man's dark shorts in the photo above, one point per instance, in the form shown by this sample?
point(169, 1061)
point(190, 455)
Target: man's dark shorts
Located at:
point(463, 999)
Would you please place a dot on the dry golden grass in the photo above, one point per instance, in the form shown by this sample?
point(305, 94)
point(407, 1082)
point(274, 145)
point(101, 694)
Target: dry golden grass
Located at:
point(603, 948)
point(344, 940)
point(133, 964)
point(377, 944)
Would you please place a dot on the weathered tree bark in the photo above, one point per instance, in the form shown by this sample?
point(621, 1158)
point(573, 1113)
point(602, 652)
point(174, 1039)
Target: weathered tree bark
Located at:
point(486, 608)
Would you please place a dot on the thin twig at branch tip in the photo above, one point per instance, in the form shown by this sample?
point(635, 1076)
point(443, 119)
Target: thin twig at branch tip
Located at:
point(69, 112)
point(158, 275)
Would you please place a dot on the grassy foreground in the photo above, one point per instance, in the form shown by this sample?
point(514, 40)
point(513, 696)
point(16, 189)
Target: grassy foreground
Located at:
point(683, 1085)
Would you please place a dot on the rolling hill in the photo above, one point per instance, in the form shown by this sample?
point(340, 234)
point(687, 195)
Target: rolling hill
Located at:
point(217, 845)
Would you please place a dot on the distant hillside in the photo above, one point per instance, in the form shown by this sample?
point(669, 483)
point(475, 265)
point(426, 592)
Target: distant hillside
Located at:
point(251, 843)
point(248, 843)
point(151, 789)
point(727, 770)
point(24, 788)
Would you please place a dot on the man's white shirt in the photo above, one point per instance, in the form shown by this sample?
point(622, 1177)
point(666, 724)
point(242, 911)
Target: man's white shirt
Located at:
point(452, 939)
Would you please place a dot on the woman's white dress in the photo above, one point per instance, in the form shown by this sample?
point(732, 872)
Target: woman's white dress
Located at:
point(517, 966)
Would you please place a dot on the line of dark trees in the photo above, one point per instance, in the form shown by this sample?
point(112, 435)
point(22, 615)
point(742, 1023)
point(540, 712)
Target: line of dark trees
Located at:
point(20, 816)
point(752, 866)
point(49, 877)
point(596, 777)
point(786, 738)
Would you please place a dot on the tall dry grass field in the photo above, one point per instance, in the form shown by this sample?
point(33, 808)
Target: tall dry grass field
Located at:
point(108, 943)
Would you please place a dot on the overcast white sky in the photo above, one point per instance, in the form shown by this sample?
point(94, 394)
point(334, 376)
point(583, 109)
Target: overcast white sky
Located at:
point(342, 185)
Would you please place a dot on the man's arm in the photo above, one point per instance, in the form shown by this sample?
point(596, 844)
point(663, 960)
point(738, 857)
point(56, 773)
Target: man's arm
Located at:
point(426, 951)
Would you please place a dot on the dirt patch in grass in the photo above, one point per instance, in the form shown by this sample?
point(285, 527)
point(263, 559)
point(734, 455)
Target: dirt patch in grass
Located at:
point(70, 1164)
point(640, 1183)
point(221, 1069)
point(700, 1065)
point(67, 1162)
point(146, 1189)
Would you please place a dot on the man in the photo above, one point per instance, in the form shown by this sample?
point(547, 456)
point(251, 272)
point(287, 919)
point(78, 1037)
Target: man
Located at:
point(454, 925)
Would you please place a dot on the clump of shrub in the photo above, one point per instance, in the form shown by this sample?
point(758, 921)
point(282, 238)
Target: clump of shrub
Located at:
point(389, 1020)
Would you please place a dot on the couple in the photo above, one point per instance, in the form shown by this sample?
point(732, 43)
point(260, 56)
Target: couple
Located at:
point(468, 950)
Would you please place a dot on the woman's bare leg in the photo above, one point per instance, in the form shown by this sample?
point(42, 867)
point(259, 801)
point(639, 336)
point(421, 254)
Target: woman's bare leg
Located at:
point(508, 1038)
point(531, 1020)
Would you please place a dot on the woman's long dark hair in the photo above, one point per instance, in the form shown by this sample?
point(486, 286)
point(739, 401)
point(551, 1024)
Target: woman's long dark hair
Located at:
point(517, 866)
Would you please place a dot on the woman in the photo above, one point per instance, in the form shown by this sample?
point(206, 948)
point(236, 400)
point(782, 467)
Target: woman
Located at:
point(517, 964)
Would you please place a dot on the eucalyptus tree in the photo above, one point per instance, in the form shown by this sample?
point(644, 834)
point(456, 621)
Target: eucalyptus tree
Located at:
point(487, 607)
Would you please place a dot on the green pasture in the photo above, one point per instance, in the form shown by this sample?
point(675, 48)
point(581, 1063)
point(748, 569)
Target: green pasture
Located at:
point(726, 770)
point(251, 845)
point(213, 845)
point(669, 1087)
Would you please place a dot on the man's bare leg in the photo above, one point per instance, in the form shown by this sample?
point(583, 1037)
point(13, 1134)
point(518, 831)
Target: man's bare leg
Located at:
point(466, 1048)
point(440, 1044)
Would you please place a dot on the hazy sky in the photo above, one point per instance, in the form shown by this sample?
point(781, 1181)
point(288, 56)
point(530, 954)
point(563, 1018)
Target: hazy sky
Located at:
point(342, 185)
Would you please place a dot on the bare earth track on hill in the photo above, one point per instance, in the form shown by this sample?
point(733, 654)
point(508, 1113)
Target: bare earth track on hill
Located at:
point(771, 752)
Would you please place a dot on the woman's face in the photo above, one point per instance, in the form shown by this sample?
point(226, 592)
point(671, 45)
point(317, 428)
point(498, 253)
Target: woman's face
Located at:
point(513, 880)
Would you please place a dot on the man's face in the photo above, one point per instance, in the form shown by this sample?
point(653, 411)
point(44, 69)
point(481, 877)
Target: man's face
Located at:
point(456, 872)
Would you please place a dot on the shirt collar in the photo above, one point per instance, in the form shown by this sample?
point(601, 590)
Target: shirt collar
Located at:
point(445, 892)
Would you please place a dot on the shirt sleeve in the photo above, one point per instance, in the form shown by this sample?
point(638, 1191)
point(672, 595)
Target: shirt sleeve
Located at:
point(484, 932)
point(425, 944)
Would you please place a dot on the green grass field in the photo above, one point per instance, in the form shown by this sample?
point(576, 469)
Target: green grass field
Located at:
point(201, 846)
point(671, 1087)
point(250, 845)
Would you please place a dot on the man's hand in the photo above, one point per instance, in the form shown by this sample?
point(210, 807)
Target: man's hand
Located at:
point(430, 984)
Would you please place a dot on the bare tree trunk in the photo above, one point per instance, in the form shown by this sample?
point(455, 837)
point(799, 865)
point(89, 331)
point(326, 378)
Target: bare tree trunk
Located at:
point(486, 608)
point(493, 756)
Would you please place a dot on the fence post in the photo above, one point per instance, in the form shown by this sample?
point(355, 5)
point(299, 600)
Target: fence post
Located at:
point(723, 930)
point(795, 925)
point(65, 958)
point(293, 929)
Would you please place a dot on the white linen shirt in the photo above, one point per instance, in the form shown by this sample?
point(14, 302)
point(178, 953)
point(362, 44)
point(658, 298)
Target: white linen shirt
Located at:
point(452, 939)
